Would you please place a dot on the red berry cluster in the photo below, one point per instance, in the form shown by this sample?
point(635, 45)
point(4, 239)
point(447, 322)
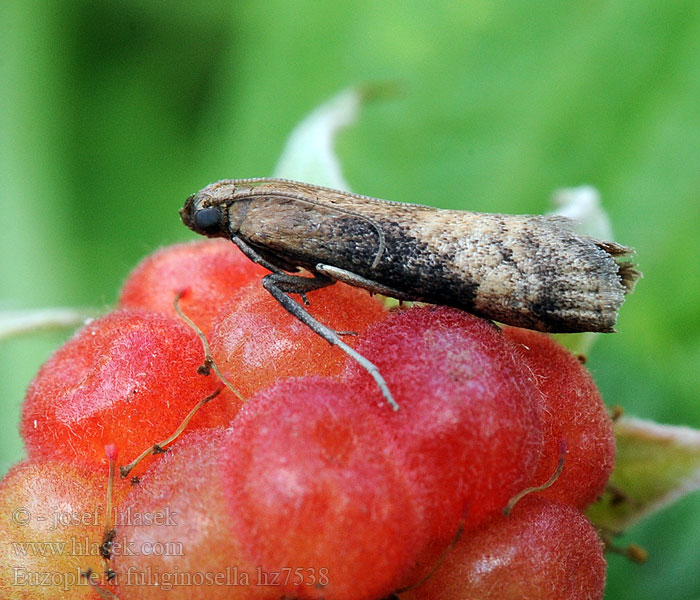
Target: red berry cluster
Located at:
point(314, 488)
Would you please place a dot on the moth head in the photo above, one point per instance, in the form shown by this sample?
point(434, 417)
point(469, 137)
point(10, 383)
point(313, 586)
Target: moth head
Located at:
point(204, 216)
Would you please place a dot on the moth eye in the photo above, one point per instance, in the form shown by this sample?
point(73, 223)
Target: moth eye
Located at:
point(208, 219)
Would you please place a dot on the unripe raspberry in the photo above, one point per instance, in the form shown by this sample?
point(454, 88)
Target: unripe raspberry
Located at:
point(311, 487)
point(544, 550)
point(255, 341)
point(129, 379)
point(208, 272)
point(52, 522)
point(468, 432)
point(572, 411)
point(173, 535)
point(319, 474)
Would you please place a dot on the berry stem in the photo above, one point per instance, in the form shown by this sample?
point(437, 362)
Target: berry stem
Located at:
point(99, 590)
point(632, 552)
point(437, 563)
point(208, 359)
point(159, 448)
point(539, 488)
point(112, 452)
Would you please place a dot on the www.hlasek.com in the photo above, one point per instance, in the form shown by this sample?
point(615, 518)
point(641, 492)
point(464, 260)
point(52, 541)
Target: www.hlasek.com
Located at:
point(85, 546)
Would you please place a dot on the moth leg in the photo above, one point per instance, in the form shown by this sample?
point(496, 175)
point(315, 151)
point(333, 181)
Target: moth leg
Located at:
point(281, 284)
point(255, 256)
point(358, 281)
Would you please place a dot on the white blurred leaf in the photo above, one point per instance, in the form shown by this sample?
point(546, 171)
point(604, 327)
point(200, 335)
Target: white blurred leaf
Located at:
point(21, 322)
point(309, 153)
point(583, 205)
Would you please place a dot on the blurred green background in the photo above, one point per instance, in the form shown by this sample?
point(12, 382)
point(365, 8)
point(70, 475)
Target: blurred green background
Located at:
point(111, 113)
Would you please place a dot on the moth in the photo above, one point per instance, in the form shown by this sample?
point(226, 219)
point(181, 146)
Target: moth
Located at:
point(529, 271)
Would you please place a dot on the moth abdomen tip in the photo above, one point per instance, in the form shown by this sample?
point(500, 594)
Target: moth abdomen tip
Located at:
point(629, 275)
